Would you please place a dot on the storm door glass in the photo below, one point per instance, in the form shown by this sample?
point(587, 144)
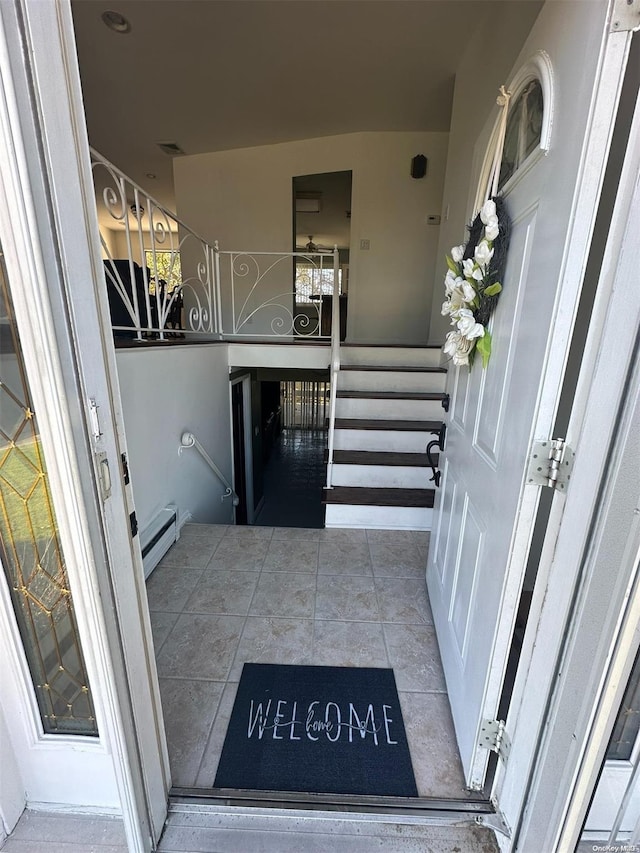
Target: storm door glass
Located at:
point(30, 549)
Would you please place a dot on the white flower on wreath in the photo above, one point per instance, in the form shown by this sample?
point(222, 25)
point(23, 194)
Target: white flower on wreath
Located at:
point(451, 280)
point(491, 231)
point(468, 267)
point(459, 348)
point(467, 325)
point(483, 253)
point(488, 212)
point(460, 296)
point(457, 253)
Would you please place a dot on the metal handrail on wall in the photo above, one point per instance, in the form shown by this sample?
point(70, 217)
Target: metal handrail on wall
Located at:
point(187, 440)
point(335, 370)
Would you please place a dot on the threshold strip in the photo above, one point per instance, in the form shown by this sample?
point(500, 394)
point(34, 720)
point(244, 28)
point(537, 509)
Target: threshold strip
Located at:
point(414, 806)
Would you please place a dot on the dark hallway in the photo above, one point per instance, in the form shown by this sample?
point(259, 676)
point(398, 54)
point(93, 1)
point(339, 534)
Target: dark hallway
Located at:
point(293, 480)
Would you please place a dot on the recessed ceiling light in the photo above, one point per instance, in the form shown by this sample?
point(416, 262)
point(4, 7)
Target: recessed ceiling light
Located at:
point(150, 175)
point(116, 22)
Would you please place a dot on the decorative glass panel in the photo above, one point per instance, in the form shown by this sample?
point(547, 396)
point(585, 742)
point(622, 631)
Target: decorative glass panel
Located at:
point(30, 549)
point(524, 129)
point(627, 725)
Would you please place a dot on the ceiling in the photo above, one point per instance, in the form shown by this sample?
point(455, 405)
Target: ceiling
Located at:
point(218, 74)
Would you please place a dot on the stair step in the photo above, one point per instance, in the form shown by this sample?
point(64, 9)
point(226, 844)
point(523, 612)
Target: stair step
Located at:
point(398, 368)
point(392, 395)
point(372, 457)
point(360, 496)
point(388, 425)
point(403, 356)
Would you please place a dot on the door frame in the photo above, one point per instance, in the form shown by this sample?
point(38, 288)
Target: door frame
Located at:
point(49, 220)
point(71, 202)
point(248, 441)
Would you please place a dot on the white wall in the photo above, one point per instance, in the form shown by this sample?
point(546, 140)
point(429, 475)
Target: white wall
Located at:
point(484, 67)
point(165, 392)
point(243, 199)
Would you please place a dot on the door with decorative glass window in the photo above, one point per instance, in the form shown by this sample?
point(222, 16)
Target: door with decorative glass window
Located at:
point(552, 169)
point(79, 692)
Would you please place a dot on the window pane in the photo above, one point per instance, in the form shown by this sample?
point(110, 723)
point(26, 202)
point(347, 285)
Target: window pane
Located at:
point(30, 550)
point(524, 130)
point(312, 282)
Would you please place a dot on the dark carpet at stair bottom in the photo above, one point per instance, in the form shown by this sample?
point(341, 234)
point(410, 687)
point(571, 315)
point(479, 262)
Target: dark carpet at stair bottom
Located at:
point(317, 729)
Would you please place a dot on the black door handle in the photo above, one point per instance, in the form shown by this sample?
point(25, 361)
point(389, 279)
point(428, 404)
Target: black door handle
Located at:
point(439, 443)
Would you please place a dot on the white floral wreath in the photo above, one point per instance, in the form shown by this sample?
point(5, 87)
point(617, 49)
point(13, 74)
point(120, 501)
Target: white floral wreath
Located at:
point(470, 294)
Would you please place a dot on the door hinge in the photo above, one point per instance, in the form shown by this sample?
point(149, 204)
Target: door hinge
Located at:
point(493, 736)
point(626, 16)
point(550, 464)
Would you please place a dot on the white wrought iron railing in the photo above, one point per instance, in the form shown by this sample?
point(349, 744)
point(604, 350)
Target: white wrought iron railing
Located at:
point(277, 294)
point(160, 275)
point(165, 281)
point(188, 439)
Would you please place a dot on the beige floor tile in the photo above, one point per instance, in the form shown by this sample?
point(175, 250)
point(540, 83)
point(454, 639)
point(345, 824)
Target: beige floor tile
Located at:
point(211, 757)
point(251, 533)
point(348, 644)
point(189, 709)
point(391, 538)
point(343, 536)
point(310, 534)
point(210, 533)
point(414, 656)
point(170, 586)
point(273, 640)
point(398, 561)
point(284, 594)
point(189, 552)
point(348, 558)
point(403, 600)
point(239, 554)
point(432, 744)
point(422, 539)
point(346, 598)
point(200, 646)
point(161, 625)
point(291, 556)
point(223, 592)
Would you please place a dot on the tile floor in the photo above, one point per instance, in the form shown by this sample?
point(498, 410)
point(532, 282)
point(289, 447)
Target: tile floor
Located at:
point(225, 595)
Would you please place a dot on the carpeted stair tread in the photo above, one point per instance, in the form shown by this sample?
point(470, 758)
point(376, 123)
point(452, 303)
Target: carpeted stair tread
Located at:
point(378, 424)
point(388, 458)
point(360, 496)
point(392, 395)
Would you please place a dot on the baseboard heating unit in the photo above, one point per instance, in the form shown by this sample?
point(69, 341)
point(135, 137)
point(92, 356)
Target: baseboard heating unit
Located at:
point(157, 537)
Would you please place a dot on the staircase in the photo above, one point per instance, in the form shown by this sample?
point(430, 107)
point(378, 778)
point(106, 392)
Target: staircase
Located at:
point(389, 405)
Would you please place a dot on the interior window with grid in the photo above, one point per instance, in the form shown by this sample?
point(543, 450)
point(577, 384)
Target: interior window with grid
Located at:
point(313, 281)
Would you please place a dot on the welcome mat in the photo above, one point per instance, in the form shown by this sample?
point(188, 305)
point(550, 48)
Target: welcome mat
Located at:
point(317, 729)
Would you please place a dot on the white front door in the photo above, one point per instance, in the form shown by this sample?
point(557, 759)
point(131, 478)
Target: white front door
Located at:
point(485, 507)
